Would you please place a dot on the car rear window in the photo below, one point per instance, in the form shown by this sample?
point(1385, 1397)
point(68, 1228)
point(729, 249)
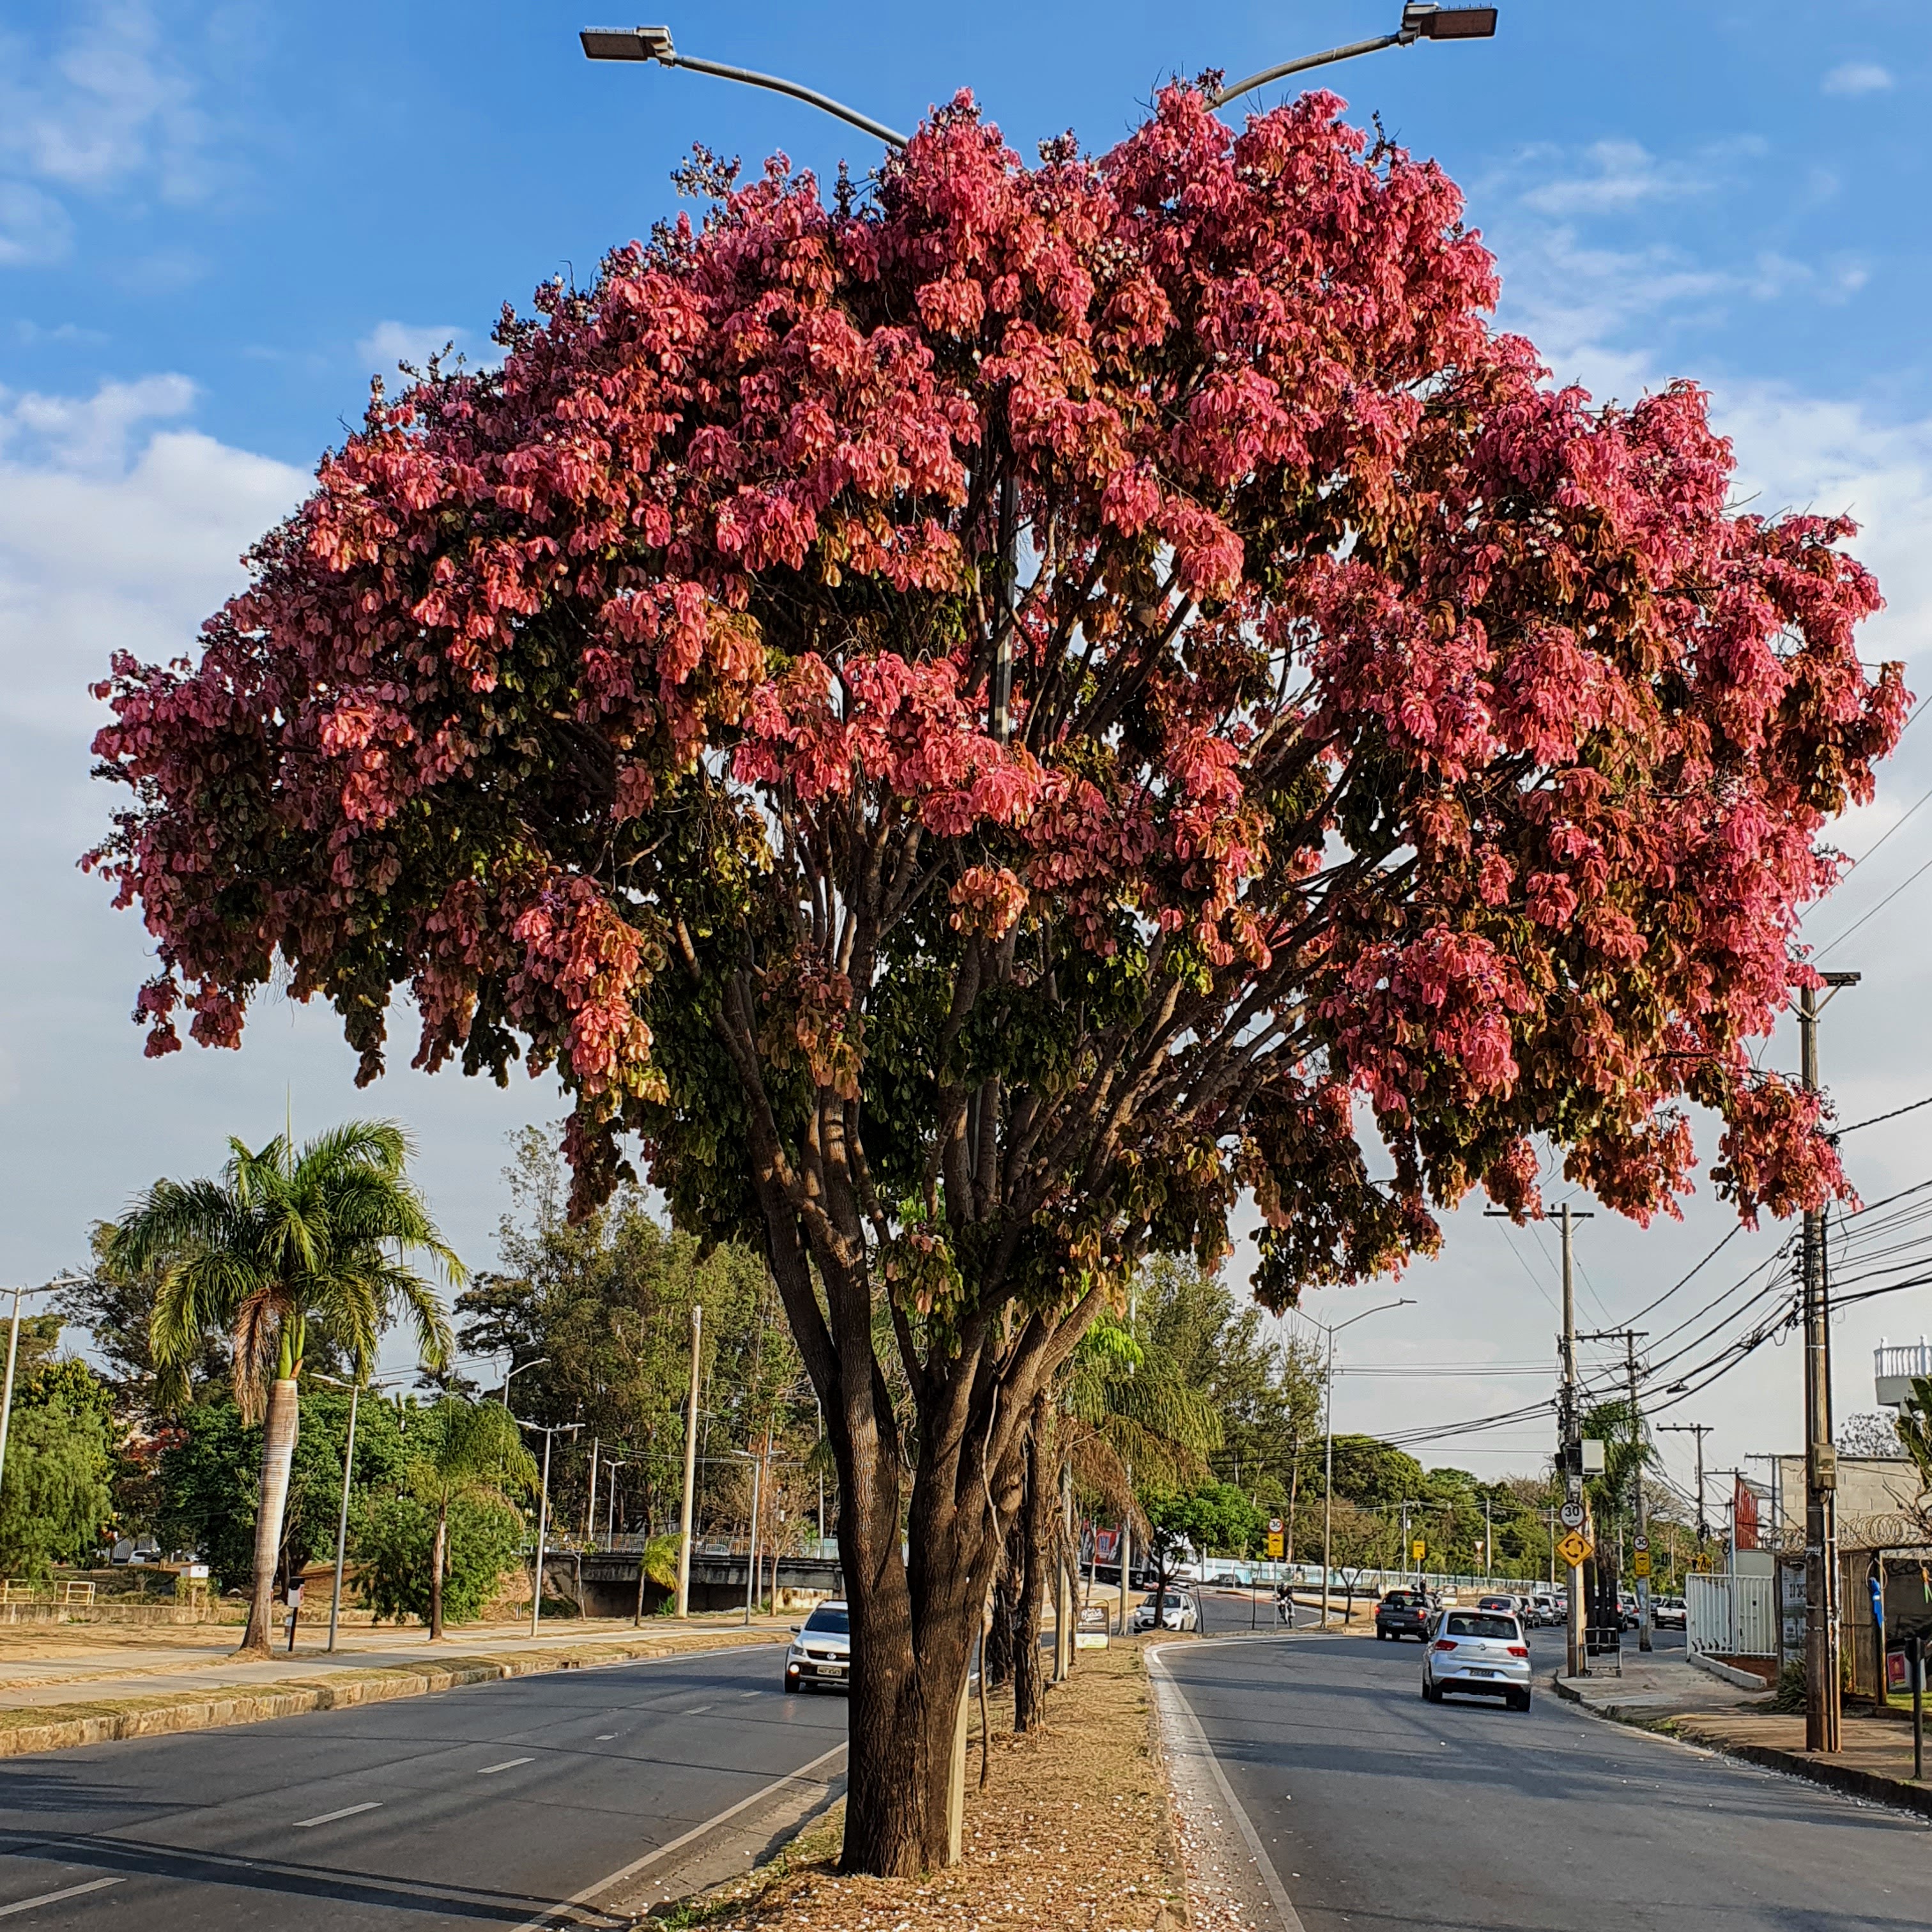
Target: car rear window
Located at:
point(1399, 1599)
point(1467, 1624)
point(830, 1623)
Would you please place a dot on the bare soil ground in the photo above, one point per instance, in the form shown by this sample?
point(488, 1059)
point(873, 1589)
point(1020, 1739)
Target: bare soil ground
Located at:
point(1072, 1831)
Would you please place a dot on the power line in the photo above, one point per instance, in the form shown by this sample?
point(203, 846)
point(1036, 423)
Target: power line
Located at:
point(1833, 946)
point(1896, 1112)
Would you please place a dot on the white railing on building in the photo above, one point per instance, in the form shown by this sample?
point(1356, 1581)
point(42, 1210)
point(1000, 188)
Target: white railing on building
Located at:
point(1896, 1366)
point(1731, 1616)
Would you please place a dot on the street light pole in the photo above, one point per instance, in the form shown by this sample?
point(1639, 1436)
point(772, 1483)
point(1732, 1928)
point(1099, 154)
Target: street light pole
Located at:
point(690, 1469)
point(547, 1430)
point(1420, 21)
point(1328, 1430)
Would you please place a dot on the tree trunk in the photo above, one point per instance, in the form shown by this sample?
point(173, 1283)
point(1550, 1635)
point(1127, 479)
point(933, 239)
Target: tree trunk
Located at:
point(1002, 1637)
point(1039, 1536)
point(278, 1449)
point(438, 1554)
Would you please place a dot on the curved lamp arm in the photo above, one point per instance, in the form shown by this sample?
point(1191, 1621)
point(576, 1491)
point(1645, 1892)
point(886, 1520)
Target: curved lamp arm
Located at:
point(654, 43)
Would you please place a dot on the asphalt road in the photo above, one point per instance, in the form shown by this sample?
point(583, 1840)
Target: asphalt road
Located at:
point(480, 1807)
point(1380, 1811)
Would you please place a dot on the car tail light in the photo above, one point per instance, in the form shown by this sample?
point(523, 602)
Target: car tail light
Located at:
point(1518, 1650)
point(1445, 1643)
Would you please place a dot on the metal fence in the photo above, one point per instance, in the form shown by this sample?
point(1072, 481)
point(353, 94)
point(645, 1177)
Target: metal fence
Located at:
point(1731, 1616)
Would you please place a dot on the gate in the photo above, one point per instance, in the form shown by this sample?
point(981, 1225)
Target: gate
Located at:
point(1731, 1616)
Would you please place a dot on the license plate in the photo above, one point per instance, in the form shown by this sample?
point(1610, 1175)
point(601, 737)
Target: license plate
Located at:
point(1482, 1673)
point(831, 1670)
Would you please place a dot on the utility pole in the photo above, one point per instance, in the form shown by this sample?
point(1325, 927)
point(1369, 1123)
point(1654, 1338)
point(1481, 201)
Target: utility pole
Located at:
point(1639, 1507)
point(1822, 1710)
point(1700, 1430)
point(690, 1469)
point(1570, 1456)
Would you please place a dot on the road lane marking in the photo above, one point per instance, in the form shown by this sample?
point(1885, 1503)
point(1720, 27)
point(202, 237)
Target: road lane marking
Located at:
point(604, 1737)
point(55, 1898)
point(1196, 1739)
point(554, 1913)
point(330, 1817)
point(508, 1764)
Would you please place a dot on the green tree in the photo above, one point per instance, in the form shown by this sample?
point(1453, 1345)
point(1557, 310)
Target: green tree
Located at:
point(58, 1503)
point(604, 1304)
point(463, 1452)
point(286, 1237)
point(1914, 1426)
point(208, 1479)
point(1370, 1473)
point(394, 1538)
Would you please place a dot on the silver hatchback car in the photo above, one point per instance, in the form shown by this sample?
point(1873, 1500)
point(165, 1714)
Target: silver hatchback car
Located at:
point(1483, 1652)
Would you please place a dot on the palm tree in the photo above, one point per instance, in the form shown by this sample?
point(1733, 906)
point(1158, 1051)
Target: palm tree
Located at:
point(470, 1449)
point(283, 1238)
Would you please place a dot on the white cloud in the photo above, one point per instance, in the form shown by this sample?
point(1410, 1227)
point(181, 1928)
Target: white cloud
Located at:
point(33, 227)
point(1857, 77)
point(112, 538)
point(390, 343)
point(1623, 174)
point(111, 105)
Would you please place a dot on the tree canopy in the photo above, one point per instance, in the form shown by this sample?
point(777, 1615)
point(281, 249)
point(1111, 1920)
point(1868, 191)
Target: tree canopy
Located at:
point(981, 722)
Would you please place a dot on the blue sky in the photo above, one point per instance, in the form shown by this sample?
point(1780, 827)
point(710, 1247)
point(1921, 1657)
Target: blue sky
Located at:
point(216, 221)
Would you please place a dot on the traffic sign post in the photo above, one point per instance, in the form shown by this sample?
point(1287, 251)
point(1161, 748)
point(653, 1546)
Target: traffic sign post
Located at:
point(1574, 1550)
point(1571, 1515)
point(1274, 1536)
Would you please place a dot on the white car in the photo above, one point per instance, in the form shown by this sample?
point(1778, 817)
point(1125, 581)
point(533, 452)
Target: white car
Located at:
point(820, 1651)
point(1482, 1652)
point(1177, 1610)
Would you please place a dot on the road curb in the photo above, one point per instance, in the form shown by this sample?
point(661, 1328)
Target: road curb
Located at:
point(70, 1727)
point(1684, 1729)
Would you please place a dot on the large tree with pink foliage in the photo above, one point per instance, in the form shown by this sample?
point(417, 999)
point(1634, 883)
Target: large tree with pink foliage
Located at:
point(1404, 759)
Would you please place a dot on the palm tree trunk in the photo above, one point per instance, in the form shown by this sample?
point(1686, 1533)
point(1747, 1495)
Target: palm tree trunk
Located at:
point(436, 1572)
point(278, 1449)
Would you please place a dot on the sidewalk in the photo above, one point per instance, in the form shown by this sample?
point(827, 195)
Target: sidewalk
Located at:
point(1680, 1701)
point(94, 1694)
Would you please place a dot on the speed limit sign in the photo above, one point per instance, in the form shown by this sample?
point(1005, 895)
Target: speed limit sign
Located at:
point(1571, 1516)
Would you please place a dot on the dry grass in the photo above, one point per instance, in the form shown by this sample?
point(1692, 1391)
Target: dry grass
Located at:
point(1072, 1831)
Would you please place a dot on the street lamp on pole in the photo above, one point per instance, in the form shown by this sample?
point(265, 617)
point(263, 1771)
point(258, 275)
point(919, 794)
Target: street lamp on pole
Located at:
point(1328, 1430)
point(503, 1393)
point(342, 1520)
point(1421, 20)
point(547, 1430)
point(12, 1356)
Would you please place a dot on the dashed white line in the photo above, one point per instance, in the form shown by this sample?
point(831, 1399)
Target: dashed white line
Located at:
point(330, 1817)
point(604, 1737)
point(508, 1764)
point(55, 1898)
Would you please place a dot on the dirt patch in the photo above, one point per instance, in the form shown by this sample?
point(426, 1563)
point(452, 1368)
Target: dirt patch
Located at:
point(1072, 1831)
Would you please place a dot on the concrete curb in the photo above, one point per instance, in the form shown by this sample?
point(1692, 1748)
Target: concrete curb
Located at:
point(1728, 1673)
point(1898, 1793)
point(1684, 1727)
point(68, 1727)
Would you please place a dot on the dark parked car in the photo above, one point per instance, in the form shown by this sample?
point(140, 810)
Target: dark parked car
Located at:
point(1402, 1613)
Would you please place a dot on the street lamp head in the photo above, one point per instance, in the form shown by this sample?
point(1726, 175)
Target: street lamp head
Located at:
point(1422, 20)
point(627, 43)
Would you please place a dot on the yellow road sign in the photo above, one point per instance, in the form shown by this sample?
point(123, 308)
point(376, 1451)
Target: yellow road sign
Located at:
point(1640, 1563)
point(1418, 1550)
point(1274, 1545)
point(1573, 1549)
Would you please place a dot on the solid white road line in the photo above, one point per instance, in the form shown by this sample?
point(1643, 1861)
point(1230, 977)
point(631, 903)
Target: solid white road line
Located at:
point(508, 1763)
point(55, 1898)
point(330, 1817)
point(649, 1858)
point(604, 1737)
point(1196, 1741)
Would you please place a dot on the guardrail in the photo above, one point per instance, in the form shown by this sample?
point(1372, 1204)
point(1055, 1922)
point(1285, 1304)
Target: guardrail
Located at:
point(67, 1592)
